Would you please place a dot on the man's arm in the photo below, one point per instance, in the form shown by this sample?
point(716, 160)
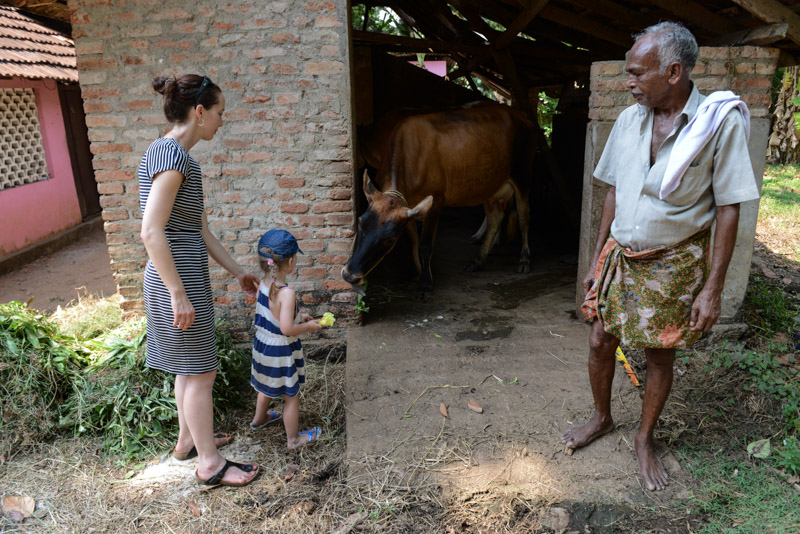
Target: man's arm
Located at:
point(609, 209)
point(707, 306)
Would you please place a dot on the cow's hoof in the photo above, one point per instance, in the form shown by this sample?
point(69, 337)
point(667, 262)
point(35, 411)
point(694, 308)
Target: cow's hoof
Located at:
point(424, 293)
point(524, 267)
point(473, 267)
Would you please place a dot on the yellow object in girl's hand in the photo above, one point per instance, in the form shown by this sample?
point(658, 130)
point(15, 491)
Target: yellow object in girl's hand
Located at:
point(327, 319)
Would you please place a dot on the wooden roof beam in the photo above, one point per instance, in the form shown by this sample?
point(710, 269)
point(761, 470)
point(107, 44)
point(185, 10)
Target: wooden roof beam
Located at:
point(531, 10)
point(761, 36)
point(559, 34)
point(774, 12)
point(519, 23)
point(696, 14)
point(411, 43)
point(587, 26)
point(609, 9)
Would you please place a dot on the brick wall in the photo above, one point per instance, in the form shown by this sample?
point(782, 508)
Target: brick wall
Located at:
point(283, 157)
point(747, 71)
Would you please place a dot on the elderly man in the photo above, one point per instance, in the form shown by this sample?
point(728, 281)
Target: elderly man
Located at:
point(676, 162)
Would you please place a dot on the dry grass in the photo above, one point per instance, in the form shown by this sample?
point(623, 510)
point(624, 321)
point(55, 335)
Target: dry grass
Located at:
point(443, 490)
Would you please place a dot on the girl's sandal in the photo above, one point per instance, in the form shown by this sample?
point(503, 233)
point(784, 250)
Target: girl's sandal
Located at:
point(271, 418)
point(313, 435)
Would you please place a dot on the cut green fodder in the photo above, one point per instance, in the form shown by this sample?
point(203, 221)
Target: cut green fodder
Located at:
point(130, 407)
point(37, 366)
point(89, 317)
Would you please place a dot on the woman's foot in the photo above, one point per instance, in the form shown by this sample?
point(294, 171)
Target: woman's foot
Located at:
point(226, 473)
point(184, 451)
point(303, 438)
point(269, 417)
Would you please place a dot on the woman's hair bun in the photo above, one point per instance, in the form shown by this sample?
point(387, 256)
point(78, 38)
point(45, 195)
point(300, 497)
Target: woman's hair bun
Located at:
point(161, 84)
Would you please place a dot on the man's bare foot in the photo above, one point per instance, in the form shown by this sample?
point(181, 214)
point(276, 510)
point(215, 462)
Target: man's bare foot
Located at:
point(585, 434)
point(652, 470)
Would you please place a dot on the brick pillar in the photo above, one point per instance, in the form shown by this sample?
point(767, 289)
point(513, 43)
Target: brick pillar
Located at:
point(747, 71)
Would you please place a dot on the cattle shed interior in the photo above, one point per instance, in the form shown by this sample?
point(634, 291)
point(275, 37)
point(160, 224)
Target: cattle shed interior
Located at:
point(517, 50)
point(514, 51)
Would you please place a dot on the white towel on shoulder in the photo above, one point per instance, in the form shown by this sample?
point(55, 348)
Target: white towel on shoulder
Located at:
point(697, 133)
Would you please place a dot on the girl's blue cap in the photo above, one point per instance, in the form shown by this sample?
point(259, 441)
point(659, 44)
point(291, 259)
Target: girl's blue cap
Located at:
point(278, 245)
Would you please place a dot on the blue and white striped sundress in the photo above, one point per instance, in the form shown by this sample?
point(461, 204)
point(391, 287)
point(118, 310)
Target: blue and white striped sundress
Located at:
point(193, 351)
point(278, 368)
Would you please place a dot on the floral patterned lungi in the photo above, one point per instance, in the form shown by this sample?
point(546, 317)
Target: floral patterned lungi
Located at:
point(644, 299)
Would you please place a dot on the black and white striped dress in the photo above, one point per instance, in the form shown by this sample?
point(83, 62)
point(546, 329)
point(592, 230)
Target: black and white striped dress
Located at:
point(180, 352)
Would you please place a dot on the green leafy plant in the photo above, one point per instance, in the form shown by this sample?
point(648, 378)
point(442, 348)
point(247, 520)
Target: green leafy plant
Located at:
point(130, 407)
point(361, 302)
point(546, 109)
point(776, 381)
point(767, 308)
point(37, 364)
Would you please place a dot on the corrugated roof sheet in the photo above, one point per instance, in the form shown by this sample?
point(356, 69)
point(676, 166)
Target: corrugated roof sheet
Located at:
point(30, 50)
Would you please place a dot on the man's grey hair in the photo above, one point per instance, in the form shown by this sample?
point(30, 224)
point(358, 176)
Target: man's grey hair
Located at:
point(675, 44)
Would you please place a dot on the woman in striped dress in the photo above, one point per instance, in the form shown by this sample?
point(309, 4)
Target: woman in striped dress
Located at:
point(177, 288)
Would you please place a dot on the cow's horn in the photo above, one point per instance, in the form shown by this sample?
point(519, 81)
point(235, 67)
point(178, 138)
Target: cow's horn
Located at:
point(369, 189)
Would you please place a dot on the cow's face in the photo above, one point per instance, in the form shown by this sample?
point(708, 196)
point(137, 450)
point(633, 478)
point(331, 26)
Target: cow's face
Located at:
point(379, 229)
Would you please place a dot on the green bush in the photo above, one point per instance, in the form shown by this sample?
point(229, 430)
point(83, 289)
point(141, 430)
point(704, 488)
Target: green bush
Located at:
point(37, 366)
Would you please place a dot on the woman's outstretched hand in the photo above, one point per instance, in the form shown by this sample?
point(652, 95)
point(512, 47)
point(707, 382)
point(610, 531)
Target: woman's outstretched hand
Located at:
point(249, 283)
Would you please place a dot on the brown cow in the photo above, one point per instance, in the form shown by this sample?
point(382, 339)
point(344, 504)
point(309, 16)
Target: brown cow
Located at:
point(453, 158)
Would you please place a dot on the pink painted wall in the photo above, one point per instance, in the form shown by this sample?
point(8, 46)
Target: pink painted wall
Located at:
point(32, 212)
point(438, 68)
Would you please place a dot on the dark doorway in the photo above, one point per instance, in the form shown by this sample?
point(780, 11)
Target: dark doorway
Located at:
point(79, 154)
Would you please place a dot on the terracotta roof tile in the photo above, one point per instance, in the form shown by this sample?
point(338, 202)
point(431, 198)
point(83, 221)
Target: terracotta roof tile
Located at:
point(33, 51)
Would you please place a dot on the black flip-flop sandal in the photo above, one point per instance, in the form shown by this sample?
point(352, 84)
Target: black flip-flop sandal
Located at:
point(216, 480)
point(192, 453)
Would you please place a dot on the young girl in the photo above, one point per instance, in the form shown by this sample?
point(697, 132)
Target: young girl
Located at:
point(278, 367)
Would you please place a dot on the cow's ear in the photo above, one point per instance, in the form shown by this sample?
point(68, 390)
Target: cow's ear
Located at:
point(421, 209)
point(369, 189)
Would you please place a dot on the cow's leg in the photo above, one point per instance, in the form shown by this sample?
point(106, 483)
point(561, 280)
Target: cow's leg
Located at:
point(477, 237)
point(430, 224)
point(494, 219)
point(414, 236)
point(524, 219)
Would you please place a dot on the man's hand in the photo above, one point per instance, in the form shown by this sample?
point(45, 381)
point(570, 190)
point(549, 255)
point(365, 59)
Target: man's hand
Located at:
point(705, 310)
point(588, 280)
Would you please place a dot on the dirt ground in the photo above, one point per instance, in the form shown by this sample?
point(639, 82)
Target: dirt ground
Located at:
point(510, 344)
point(81, 268)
